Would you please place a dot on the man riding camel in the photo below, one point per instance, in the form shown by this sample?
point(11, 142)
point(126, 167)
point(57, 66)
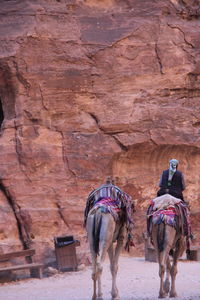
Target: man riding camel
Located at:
point(172, 181)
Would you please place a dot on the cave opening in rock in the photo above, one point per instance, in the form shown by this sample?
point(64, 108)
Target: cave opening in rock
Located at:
point(7, 93)
point(1, 113)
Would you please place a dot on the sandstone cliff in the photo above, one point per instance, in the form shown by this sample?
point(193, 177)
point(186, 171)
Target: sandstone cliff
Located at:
point(92, 88)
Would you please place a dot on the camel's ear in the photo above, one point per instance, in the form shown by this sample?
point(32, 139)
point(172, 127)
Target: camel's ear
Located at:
point(108, 179)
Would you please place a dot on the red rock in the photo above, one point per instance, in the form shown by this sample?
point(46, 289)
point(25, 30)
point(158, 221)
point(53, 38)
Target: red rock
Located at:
point(90, 89)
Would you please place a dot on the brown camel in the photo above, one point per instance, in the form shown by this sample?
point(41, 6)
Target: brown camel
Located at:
point(165, 238)
point(103, 231)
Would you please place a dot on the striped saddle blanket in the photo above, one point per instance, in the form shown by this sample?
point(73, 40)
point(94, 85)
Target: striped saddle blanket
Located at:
point(167, 216)
point(108, 205)
point(171, 211)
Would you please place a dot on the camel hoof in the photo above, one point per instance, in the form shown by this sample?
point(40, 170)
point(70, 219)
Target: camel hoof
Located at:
point(163, 295)
point(115, 297)
point(173, 295)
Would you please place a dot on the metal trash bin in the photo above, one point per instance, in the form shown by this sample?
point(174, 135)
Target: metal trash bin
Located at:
point(65, 249)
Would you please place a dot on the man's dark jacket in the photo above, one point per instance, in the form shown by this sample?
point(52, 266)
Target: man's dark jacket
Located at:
point(174, 187)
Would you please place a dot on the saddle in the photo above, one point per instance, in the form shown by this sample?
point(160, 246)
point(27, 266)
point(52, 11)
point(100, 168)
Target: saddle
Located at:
point(119, 205)
point(108, 205)
point(171, 211)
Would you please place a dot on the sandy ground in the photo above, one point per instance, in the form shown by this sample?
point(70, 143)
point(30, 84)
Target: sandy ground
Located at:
point(137, 279)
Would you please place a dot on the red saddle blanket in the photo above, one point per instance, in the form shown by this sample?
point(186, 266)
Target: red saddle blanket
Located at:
point(109, 205)
point(176, 216)
point(167, 216)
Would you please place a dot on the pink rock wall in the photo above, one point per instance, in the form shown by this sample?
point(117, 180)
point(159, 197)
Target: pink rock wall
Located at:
point(89, 89)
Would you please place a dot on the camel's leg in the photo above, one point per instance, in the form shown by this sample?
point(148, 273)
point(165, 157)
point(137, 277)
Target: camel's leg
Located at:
point(94, 278)
point(111, 257)
point(177, 253)
point(170, 234)
point(90, 224)
point(99, 267)
point(106, 237)
point(97, 261)
point(167, 279)
point(162, 258)
point(114, 264)
point(99, 273)
point(173, 275)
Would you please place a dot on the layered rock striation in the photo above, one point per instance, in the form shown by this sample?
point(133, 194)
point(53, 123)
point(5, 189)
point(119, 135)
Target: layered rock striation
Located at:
point(89, 89)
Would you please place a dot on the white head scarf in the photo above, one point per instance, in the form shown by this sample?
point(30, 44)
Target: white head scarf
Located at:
point(173, 163)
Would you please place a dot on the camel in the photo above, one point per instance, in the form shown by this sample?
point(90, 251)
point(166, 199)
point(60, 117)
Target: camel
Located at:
point(166, 238)
point(103, 231)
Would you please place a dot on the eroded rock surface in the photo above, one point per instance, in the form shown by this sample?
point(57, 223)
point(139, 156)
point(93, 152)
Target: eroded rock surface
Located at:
point(89, 89)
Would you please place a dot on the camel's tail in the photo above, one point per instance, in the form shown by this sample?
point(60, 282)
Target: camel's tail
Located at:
point(161, 236)
point(96, 231)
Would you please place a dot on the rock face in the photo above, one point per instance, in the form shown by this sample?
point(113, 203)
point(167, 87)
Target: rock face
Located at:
point(92, 88)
